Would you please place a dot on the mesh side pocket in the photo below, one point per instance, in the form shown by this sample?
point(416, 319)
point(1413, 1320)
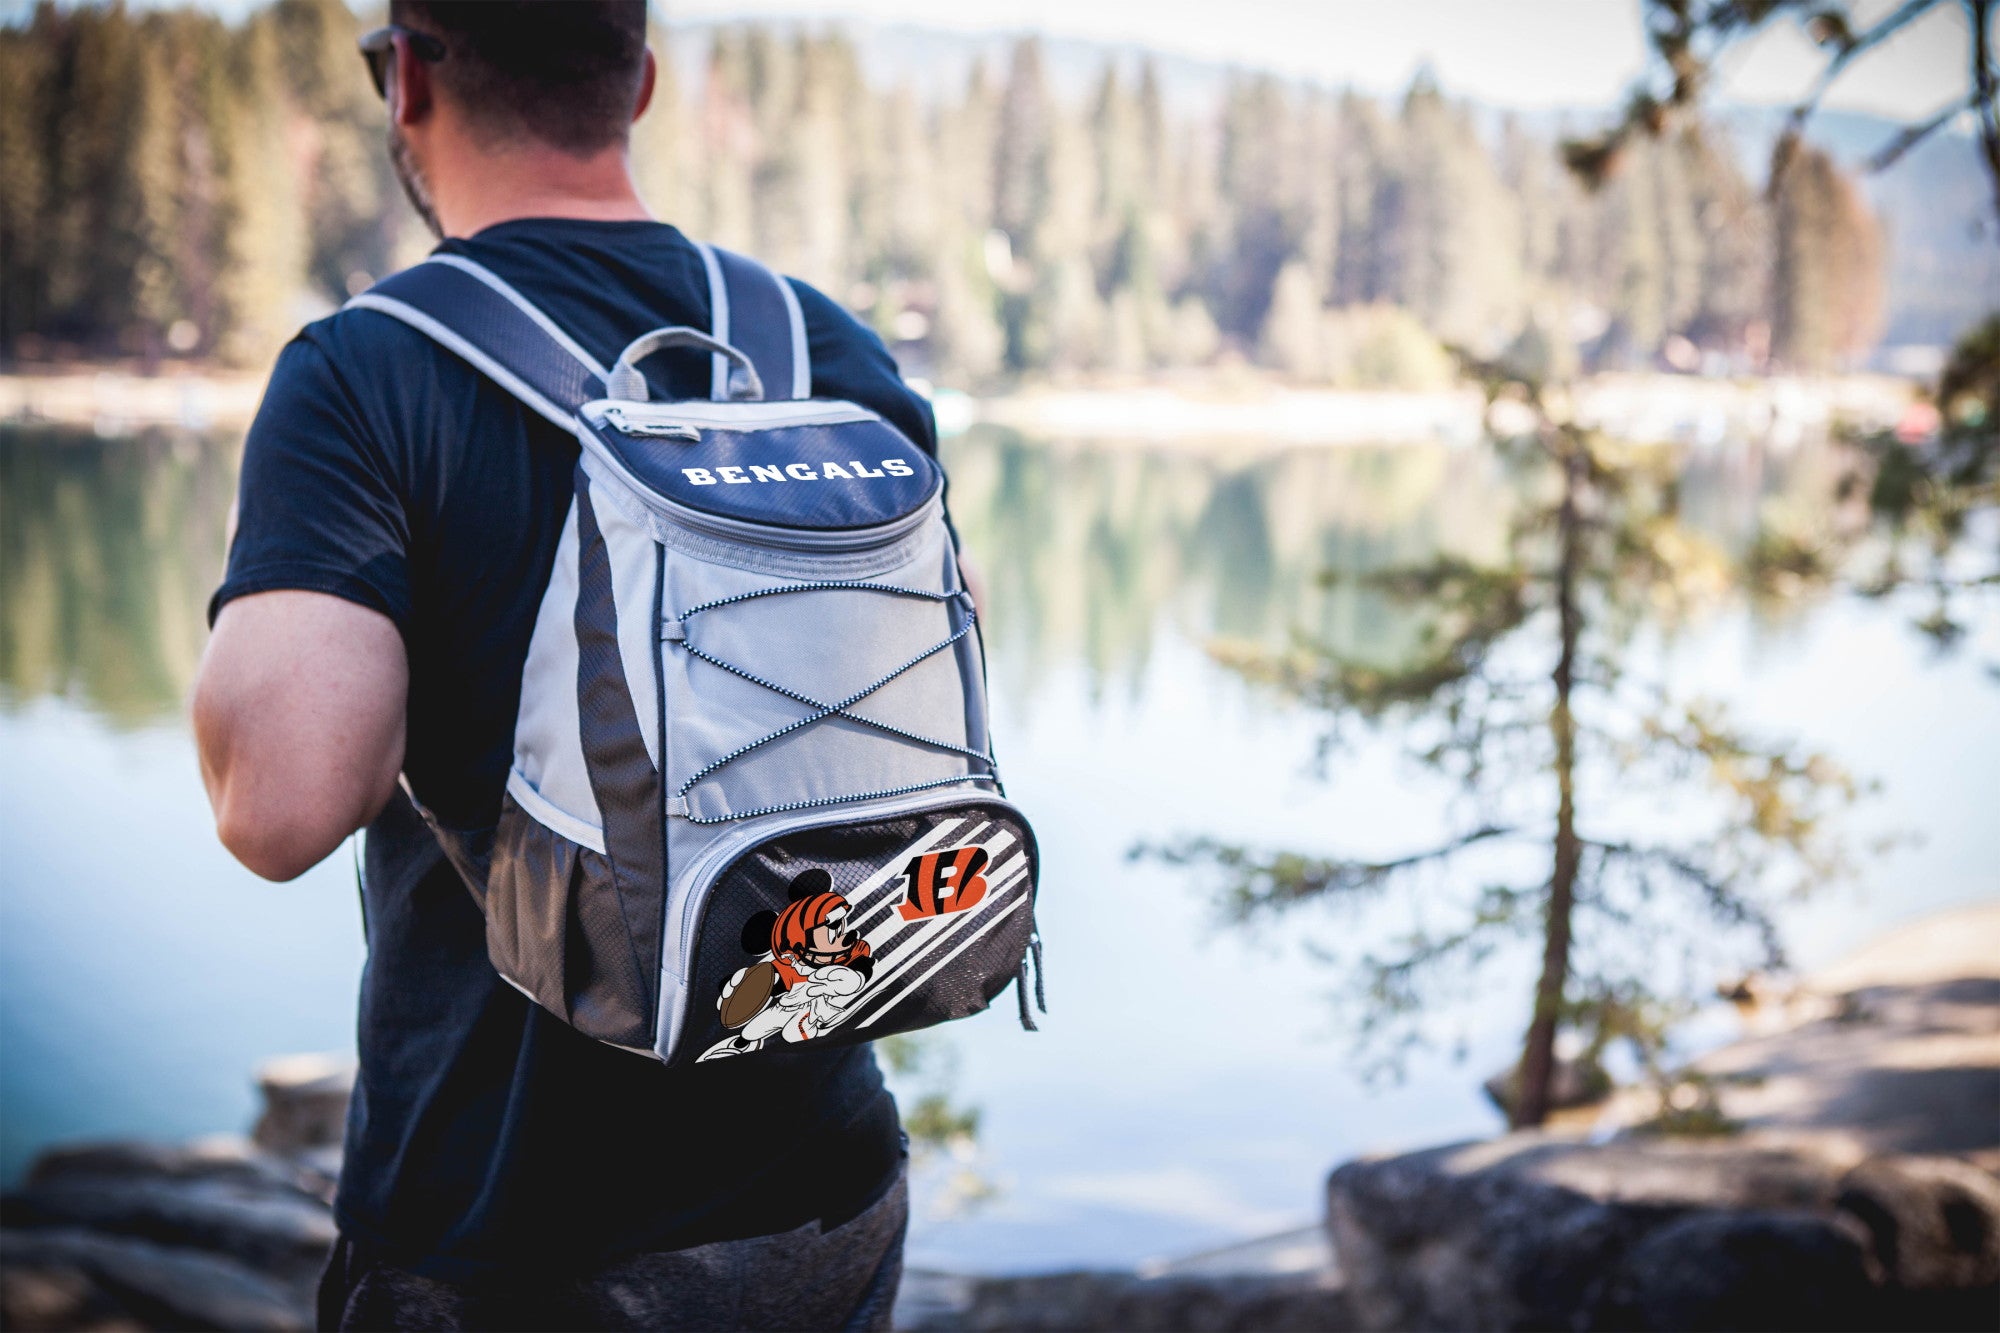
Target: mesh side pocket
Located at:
point(556, 928)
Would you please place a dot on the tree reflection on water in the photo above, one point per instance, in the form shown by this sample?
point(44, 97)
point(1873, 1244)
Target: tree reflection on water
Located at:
point(109, 549)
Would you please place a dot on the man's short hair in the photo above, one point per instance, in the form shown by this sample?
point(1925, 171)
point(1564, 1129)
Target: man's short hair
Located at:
point(566, 72)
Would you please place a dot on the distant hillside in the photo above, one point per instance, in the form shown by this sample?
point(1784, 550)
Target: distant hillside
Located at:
point(1935, 204)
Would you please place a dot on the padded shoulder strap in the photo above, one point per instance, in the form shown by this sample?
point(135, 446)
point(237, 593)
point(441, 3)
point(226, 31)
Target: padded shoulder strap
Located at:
point(470, 311)
point(757, 311)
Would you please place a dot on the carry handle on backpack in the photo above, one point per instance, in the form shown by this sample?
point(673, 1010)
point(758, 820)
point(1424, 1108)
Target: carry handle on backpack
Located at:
point(626, 383)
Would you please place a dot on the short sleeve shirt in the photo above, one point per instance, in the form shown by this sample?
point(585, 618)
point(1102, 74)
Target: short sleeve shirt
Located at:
point(484, 1133)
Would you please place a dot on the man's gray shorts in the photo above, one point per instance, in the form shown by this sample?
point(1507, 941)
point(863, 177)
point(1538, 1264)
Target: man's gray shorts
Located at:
point(845, 1278)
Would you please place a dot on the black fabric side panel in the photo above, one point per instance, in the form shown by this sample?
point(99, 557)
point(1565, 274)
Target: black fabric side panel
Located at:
point(627, 787)
point(760, 324)
point(527, 906)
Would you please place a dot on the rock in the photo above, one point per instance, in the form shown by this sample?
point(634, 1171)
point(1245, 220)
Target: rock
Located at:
point(65, 1278)
point(1848, 1191)
point(1933, 1227)
point(1572, 1083)
point(1714, 1269)
point(305, 1102)
point(1448, 1239)
point(1092, 1300)
point(222, 1158)
point(1533, 1232)
point(222, 1196)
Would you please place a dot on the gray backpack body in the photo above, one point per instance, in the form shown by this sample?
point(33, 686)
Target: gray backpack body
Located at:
point(753, 804)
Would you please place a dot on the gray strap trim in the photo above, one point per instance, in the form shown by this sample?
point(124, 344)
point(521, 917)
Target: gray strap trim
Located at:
point(782, 355)
point(801, 356)
point(540, 809)
point(499, 374)
point(524, 305)
point(718, 323)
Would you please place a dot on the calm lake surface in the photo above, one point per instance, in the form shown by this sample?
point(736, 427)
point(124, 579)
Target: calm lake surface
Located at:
point(1190, 1086)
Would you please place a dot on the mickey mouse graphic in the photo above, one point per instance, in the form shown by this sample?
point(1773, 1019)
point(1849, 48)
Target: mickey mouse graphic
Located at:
point(809, 967)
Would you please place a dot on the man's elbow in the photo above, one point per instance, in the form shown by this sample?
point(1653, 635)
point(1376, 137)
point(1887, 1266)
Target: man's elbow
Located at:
point(272, 845)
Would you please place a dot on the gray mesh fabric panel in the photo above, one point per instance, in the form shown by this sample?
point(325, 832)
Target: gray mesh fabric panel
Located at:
point(554, 927)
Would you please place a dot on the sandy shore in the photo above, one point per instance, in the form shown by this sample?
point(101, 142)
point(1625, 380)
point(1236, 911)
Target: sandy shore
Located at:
point(1254, 412)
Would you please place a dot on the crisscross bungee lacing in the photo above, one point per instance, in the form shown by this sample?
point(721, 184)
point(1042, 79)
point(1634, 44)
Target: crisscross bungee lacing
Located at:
point(676, 631)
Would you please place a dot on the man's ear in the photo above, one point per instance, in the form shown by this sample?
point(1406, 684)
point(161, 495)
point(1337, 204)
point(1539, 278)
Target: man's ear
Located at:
point(647, 81)
point(410, 89)
point(811, 883)
point(757, 932)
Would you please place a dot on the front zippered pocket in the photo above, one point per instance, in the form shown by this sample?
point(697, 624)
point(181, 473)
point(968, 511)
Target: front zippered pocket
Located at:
point(839, 931)
point(736, 841)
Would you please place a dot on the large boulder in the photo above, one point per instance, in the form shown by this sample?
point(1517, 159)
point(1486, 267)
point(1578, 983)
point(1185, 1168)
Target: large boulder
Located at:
point(216, 1234)
point(1933, 1234)
point(223, 1197)
point(65, 1278)
point(1534, 1232)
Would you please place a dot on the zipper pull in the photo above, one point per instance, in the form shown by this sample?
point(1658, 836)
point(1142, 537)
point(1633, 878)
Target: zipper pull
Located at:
point(651, 430)
point(1033, 955)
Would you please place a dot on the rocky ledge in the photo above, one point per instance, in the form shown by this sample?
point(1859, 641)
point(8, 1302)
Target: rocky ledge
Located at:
point(1841, 1176)
point(226, 1233)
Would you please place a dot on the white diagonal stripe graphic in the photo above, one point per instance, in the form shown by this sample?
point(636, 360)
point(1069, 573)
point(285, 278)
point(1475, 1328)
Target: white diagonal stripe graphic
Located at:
point(893, 927)
point(968, 942)
point(972, 923)
point(893, 870)
point(857, 898)
point(939, 927)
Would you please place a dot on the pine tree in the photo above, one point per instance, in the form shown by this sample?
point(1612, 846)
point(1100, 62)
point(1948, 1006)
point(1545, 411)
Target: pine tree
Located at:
point(265, 243)
point(25, 59)
point(1291, 339)
point(1827, 297)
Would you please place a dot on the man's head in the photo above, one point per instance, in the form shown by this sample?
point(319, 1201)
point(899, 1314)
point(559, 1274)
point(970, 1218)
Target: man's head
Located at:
point(509, 78)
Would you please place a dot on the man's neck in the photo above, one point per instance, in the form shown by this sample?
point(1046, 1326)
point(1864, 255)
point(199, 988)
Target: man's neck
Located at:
point(536, 182)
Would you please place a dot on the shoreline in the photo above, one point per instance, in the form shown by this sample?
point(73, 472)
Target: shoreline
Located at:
point(1259, 411)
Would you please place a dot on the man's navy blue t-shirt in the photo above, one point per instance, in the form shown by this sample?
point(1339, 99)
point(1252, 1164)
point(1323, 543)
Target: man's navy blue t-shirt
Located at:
point(485, 1134)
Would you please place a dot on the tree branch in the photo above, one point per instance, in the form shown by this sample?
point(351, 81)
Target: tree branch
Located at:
point(1986, 104)
point(1892, 152)
point(1285, 879)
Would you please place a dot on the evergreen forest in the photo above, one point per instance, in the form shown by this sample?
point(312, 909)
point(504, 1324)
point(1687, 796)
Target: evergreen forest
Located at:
point(183, 187)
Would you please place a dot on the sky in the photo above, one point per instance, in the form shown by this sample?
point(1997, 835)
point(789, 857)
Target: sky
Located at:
point(1505, 53)
point(1529, 53)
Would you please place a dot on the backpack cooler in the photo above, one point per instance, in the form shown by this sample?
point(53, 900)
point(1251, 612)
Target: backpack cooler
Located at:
point(753, 802)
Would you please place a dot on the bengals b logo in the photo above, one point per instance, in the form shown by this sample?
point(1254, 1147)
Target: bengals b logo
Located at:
point(939, 883)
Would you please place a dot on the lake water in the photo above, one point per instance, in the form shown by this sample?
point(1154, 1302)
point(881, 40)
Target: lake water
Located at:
point(1190, 1087)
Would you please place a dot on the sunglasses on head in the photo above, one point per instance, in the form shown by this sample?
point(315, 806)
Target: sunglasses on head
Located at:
point(378, 48)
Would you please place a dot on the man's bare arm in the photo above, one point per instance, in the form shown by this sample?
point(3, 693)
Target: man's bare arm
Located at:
point(298, 713)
